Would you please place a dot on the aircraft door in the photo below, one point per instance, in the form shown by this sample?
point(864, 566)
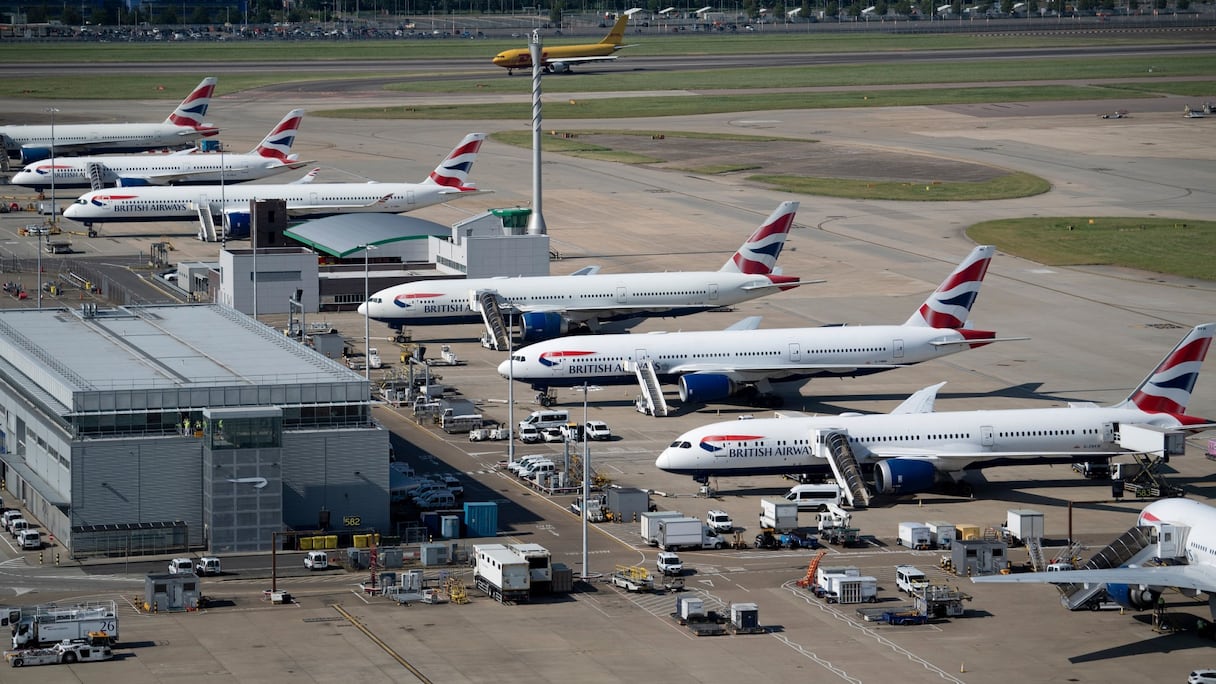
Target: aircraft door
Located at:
point(313, 200)
point(897, 349)
point(640, 355)
point(205, 201)
point(622, 295)
point(986, 436)
point(410, 199)
point(795, 352)
point(713, 292)
point(1108, 433)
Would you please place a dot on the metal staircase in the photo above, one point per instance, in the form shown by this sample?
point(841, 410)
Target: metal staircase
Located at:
point(1034, 547)
point(94, 171)
point(652, 392)
point(1134, 546)
point(844, 466)
point(486, 302)
point(206, 224)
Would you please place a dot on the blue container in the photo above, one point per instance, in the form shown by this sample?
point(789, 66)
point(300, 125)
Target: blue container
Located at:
point(430, 520)
point(481, 518)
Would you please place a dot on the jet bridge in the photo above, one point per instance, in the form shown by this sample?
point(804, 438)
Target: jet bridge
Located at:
point(833, 445)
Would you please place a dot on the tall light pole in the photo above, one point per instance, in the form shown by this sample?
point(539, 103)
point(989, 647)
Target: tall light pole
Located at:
point(510, 394)
point(54, 208)
point(586, 481)
point(367, 320)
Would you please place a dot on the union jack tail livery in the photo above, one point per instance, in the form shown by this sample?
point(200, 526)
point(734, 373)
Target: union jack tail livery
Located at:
point(191, 111)
point(453, 171)
point(1168, 388)
point(950, 304)
point(758, 255)
point(277, 144)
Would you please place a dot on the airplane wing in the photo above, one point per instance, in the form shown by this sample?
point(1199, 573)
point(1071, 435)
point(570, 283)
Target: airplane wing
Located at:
point(587, 270)
point(308, 208)
point(967, 342)
point(958, 461)
point(921, 401)
point(749, 323)
point(178, 177)
point(756, 373)
point(1197, 577)
point(782, 285)
point(581, 60)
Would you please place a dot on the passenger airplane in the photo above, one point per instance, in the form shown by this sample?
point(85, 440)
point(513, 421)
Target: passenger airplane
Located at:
point(180, 129)
point(912, 449)
point(559, 58)
point(448, 181)
point(717, 364)
point(1188, 526)
point(550, 305)
point(270, 157)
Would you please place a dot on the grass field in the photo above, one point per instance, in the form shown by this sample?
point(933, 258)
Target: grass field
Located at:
point(1160, 245)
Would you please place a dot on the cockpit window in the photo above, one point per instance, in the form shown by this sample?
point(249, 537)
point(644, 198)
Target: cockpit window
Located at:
point(680, 445)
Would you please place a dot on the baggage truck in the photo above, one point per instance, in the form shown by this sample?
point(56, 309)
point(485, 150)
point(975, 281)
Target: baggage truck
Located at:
point(678, 533)
point(914, 535)
point(501, 574)
point(779, 516)
point(43, 625)
point(941, 533)
point(851, 589)
point(650, 524)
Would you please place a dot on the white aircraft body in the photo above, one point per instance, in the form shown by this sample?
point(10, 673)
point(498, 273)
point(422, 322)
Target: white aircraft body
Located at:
point(180, 129)
point(448, 181)
point(548, 306)
point(270, 157)
point(743, 361)
point(1188, 527)
point(913, 449)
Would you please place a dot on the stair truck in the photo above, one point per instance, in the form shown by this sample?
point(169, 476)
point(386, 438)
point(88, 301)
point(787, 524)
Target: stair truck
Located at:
point(44, 625)
point(502, 574)
point(93, 648)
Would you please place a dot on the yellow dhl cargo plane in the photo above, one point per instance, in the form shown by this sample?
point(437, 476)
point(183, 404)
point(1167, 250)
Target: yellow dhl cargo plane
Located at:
point(559, 58)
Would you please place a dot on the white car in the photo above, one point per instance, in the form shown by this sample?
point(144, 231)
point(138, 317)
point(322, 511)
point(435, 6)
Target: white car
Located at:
point(181, 566)
point(553, 434)
point(529, 434)
point(669, 563)
point(719, 521)
point(1202, 677)
point(598, 430)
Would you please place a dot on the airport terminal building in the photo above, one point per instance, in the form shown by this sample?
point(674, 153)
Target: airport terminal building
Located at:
point(146, 429)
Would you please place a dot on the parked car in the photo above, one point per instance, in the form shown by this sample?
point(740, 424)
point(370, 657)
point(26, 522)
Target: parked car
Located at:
point(529, 434)
point(669, 563)
point(452, 483)
point(181, 565)
point(598, 430)
point(439, 498)
point(552, 434)
point(316, 560)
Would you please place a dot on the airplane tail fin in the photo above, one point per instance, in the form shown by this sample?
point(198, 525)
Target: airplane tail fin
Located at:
point(951, 302)
point(617, 35)
point(277, 143)
point(453, 171)
point(191, 111)
point(1168, 388)
point(759, 253)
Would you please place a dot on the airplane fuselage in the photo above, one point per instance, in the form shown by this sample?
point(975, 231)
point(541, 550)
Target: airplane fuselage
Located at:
point(304, 200)
point(77, 138)
point(777, 355)
point(522, 58)
point(1007, 437)
point(166, 169)
point(604, 297)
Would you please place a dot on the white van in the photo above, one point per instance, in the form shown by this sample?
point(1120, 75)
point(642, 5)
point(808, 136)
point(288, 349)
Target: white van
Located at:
point(30, 540)
point(181, 566)
point(18, 525)
point(517, 466)
point(909, 579)
point(534, 468)
point(316, 560)
point(815, 496)
point(543, 419)
point(10, 516)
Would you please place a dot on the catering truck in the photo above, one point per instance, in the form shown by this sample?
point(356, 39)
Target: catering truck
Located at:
point(779, 516)
point(42, 625)
point(93, 648)
point(502, 574)
point(687, 533)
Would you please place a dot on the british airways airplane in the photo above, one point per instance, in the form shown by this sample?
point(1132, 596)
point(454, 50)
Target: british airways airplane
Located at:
point(913, 449)
point(743, 362)
point(270, 157)
point(548, 306)
point(448, 181)
point(179, 129)
point(1189, 527)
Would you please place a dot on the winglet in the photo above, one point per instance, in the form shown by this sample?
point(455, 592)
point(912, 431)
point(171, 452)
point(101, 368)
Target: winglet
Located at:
point(951, 302)
point(277, 143)
point(749, 323)
point(1168, 388)
point(759, 252)
point(308, 177)
point(453, 171)
point(920, 402)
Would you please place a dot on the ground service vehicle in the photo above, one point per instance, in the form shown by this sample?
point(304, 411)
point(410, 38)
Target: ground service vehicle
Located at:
point(719, 521)
point(815, 497)
point(779, 516)
point(316, 560)
point(91, 649)
point(909, 579)
point(669, 563)
point(545, 419)
point(181, 565)
point(207, 565)
point(650, 524)
point(18, 525)
point(598, 430)
point(30, 540)
point(632, 578)
point(905, 618)
point(43, 625)
point(501, 574)
point(914, 535)
point(1023, 524)
point(677, 533)
point(529, 434)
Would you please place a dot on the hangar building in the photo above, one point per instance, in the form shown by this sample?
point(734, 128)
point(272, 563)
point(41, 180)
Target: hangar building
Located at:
point(149, 429)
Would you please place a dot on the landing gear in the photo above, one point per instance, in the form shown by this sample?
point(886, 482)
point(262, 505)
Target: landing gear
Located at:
point(545, 398)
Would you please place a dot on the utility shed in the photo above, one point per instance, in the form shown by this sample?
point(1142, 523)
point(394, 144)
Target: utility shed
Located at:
point(123, 428)
point(169, 593)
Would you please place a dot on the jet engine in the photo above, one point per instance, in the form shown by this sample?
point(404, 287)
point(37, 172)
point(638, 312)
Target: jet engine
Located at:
point(557, 68)
point(704, 387)
point(132, 182)
point(543, 326)
point(237, 224)
point(904, 476)
point(1133, 595)
point(33, 154)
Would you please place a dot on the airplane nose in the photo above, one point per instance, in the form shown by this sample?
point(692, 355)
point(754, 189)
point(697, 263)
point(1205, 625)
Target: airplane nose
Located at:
point(504, 368)
point(663, 462)
point(363, 311)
